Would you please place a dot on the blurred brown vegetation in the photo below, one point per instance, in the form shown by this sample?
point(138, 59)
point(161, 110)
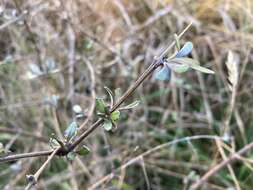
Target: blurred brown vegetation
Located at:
point(109, 43)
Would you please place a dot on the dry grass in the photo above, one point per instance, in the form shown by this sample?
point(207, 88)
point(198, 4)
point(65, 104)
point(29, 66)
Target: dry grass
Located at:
point(109, 43)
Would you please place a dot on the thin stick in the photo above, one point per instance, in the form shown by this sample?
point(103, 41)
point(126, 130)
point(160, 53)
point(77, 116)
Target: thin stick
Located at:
point(25, 155)
point(222, 164)
point(230, 169)
point(23, 133)
point(173, 43)
point(93, 93)
point(65, 150)
point(36, 176)
point(141, 156)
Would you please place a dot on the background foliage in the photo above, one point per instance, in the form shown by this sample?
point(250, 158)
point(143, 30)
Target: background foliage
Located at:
point(56, 54)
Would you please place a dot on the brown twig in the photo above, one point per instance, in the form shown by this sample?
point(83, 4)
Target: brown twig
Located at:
point(23, 133)
point(35, 177)
point(25, 155)
point(70, 147)
point(222, 164)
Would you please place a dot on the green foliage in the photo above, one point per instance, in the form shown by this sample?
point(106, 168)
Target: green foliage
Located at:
point(130, 106)
point(115, 116)
point(90, 47)
point(194, 64)
point(71, 130)
point(107, 125)
point(71, 156)
point(83, 151)
point(100, 105)
point(54, 143)
point(180, 68)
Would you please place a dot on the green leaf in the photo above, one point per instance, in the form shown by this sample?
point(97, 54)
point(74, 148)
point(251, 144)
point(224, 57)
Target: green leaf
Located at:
point(84, 150)
point(202, 69)
point(100, 105)
point(53, 143)
point(180, 68)
point(107, 125)
point(71, 156)
point(194, 64)
point(164, 74)
point(130, 106)
point(115, 115)
point(71, 131)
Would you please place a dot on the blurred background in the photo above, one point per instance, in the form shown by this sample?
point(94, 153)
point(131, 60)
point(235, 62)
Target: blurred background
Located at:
point(55, 54)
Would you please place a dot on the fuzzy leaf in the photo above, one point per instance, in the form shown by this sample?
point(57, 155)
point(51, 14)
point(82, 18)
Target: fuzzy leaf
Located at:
point(130, 106)
point(180, 68)
point(71, 131)
point(71, 156)
point(115, 115)
point(194, 64)
point(202, 69)
point(107, 125)
point(185, 50)
point(164, 74)
point(53, 143)
point(100, 105)
point(84, 150)
point(35, 69)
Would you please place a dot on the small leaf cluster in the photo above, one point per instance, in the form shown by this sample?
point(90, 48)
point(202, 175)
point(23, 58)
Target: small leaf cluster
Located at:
point(49, 66)
point(179, 63)
point(103, 110)
point(83, 151)
point(69, 134)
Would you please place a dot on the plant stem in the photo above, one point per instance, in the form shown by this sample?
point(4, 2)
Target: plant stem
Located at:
point(70, 147)
point(25, 155)
point(137, 83)
point(37, 174)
